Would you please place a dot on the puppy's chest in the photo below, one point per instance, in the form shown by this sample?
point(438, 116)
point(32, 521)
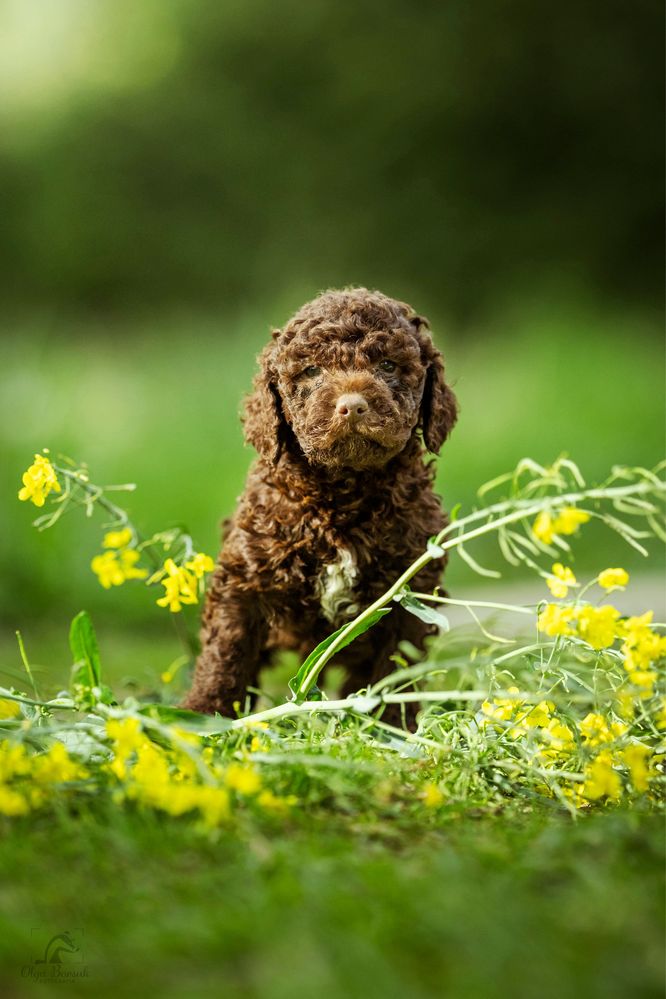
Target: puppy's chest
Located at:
point(335, 585)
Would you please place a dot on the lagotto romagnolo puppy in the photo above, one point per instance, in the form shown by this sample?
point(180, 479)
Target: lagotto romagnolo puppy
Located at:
point(349, 398)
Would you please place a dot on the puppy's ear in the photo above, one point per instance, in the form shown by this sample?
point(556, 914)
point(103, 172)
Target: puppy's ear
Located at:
point(263, 420)
point(439, 407)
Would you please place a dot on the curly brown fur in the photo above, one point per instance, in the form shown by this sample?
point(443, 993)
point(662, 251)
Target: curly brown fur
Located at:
point(339, 502)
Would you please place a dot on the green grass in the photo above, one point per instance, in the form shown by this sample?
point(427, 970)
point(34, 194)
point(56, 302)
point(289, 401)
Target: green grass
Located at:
point(476, 905)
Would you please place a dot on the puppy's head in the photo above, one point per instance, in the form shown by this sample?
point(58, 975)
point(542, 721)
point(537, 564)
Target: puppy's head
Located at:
point(351, 377)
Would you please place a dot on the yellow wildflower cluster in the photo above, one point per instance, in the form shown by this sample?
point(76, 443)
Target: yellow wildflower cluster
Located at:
point(155, 782)
point(115, 568)
point(180, 587)
point(181, 582)
point(641, 647)
point(28, 779)
point(177, 782)
point(596, 730)
point(601, 626)
point(548, 526)
point(596, 625)
point(38, 481)
point(601, 779)
point(521, 718)
point(118, 563)
point(601, 775)
point(635, 757)
point(611, 760)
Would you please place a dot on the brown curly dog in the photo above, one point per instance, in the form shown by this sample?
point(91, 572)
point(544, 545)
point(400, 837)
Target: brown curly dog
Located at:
point(339, 502)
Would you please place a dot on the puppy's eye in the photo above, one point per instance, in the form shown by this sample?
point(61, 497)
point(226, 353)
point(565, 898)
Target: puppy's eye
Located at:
point(388, 366)
point(311, 371)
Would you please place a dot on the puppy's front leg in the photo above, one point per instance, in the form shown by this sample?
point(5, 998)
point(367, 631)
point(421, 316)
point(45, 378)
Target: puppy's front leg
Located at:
point(233, 634)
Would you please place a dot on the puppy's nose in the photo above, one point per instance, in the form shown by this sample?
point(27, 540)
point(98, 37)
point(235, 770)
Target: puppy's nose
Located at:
point(352, 406)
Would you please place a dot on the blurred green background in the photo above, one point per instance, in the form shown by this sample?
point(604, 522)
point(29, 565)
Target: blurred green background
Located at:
point(179, 177)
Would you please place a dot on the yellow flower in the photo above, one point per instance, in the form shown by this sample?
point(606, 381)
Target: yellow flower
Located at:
point(561, 580)
point(432, 796)
point(11, 802)
point(117, 539)
point(149, 780)
point(151, 770)
point(503, 708)
point(642, 646)
point(598, 625)
point(113, 568)
point(128, 559)
point(107, 569)
point(125, 732)
point(611, 579)
point(555, 620)
point(127, 738)
point(636, 757)
point(14, 761)
point(539, 715)
point(569, 520)
point(55, 766)
point(596, 730)
point(542, 528)
point(640, 623)
point(9, 709)
point(243, 779)
point(200, 564)
point(38, 481)
point(601, 780)
point(558, 736)
point(180, 587)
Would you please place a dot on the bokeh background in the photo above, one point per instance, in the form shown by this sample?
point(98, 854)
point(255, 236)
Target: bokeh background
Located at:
point(177, 177)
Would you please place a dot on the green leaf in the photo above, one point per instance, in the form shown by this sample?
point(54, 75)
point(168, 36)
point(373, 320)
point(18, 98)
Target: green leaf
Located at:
point(422, 611)
point(361, 627)
point(87, 669)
